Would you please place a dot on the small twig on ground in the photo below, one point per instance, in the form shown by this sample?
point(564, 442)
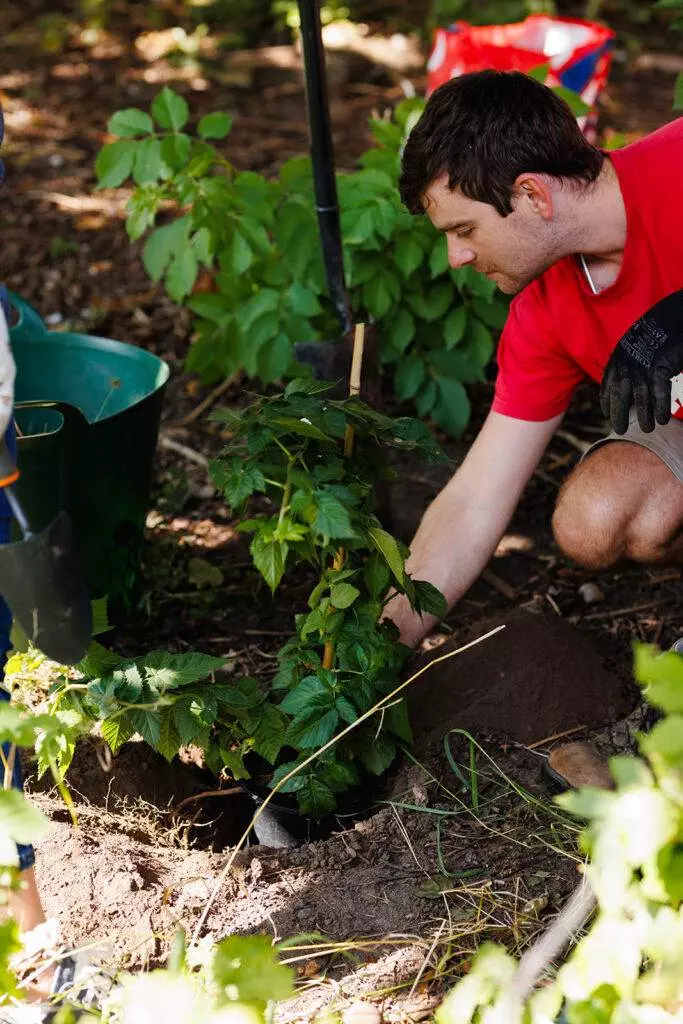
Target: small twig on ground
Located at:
point(555, 736)
point(499, 584)
point(617, 613)
point(194, 415)
point(182, 449)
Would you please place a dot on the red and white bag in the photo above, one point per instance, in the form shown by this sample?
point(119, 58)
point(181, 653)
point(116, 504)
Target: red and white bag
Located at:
point(579, 54)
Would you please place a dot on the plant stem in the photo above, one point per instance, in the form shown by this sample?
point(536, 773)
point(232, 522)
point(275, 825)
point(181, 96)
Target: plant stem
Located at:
point(286, 494)
point(354, 389)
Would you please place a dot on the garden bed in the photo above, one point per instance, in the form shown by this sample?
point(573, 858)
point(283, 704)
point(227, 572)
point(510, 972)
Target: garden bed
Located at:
point(408, 892)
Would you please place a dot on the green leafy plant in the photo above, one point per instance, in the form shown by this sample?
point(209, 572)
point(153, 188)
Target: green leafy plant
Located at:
point(310, 506)
point(243, 253)
point(628, 967)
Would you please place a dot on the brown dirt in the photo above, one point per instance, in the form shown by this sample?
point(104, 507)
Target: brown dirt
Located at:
point(537, 677)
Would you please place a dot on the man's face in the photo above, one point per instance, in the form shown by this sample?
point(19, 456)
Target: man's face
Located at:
point(512, 250)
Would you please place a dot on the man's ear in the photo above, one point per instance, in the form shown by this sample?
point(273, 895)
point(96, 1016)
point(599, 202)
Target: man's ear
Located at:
point(534, 190)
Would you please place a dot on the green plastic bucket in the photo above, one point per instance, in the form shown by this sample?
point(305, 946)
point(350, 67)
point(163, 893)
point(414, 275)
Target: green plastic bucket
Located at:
point(40, 448)
point(109, 395)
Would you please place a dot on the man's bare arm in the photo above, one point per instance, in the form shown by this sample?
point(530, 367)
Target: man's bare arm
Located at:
point(463, 525)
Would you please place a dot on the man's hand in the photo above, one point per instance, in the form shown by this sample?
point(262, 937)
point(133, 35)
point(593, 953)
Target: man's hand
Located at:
point(641, 367)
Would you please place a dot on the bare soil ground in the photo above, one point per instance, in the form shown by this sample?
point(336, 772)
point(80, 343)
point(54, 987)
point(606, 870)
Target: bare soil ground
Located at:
point(398, 901)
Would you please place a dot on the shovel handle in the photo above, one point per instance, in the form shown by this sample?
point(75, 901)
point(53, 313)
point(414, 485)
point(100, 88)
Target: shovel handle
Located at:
point(9, 474)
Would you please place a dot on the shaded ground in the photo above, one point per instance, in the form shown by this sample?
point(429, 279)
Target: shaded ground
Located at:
point(395, 881)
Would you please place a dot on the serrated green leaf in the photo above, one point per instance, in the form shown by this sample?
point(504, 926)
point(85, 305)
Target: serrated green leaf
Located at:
point(331, 519)
point(347, 712)
point(169, 741)
point(479, 343)
point(274, 358)
point(410, 375)
point(397, 721)
point(241, 255)
point(376, 575)
point(378, 755)
point(303, 301)
point(214, 126)
point(401, 330)
point(452, 408)
point(438, 259)
point(426, 397)
point(429, 599)
point(343, 595)
point(148, 162)
point(202, 243)
point(454, 326)
point(245, 969)
point(266, 300)
point(433, 303)
point(117, 731)
point(169, 110)
point(19, 819)
point(175, 150)
point(163, 244)
point(380, 293)
point(493, 313)
point(662, 676)
point(408, 255)
point(233, 760)
point(312, 729)
point(390, 551)
point(182, 274)
point(237, 480)
point(114, 163)
point(301, 386)
point(309, 689)
point(148, 724)
point(270, 557)
point(270, 733)
point(211, 305)
point(129, 123)
point(185, 722)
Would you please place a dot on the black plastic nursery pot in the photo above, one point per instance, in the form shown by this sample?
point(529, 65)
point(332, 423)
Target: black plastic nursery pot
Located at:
point(281, 823)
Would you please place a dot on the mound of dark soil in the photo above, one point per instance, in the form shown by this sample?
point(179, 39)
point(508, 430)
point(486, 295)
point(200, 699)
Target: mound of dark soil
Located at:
point(539, 676)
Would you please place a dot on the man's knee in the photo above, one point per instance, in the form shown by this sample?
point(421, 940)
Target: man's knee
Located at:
point(622, 503)
point(587, 527)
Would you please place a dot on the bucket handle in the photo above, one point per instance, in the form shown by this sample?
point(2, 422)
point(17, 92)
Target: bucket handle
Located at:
point(30, 325)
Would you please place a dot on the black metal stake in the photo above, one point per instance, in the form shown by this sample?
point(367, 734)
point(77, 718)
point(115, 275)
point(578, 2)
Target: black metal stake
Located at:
point(322, 156)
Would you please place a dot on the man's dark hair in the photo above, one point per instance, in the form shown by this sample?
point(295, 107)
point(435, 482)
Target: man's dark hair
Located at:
point(485, 129)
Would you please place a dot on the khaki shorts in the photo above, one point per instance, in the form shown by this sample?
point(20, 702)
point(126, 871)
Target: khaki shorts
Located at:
point(666, 442)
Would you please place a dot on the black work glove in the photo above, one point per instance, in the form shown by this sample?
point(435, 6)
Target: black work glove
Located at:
point(640, 369)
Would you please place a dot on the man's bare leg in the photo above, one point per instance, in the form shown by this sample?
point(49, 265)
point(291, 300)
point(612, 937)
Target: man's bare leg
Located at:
point(623, 502)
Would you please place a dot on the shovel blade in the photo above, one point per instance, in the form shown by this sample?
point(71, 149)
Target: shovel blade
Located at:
point(43, 583)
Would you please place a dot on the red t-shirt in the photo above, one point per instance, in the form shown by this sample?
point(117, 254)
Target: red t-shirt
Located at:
point(557, 332)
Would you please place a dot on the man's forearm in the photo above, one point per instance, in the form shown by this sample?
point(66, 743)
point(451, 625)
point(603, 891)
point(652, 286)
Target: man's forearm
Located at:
point(463, 525)
point(453, 544)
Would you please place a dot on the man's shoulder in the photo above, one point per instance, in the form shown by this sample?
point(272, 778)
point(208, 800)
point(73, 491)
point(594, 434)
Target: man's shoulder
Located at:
point(669, 137)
